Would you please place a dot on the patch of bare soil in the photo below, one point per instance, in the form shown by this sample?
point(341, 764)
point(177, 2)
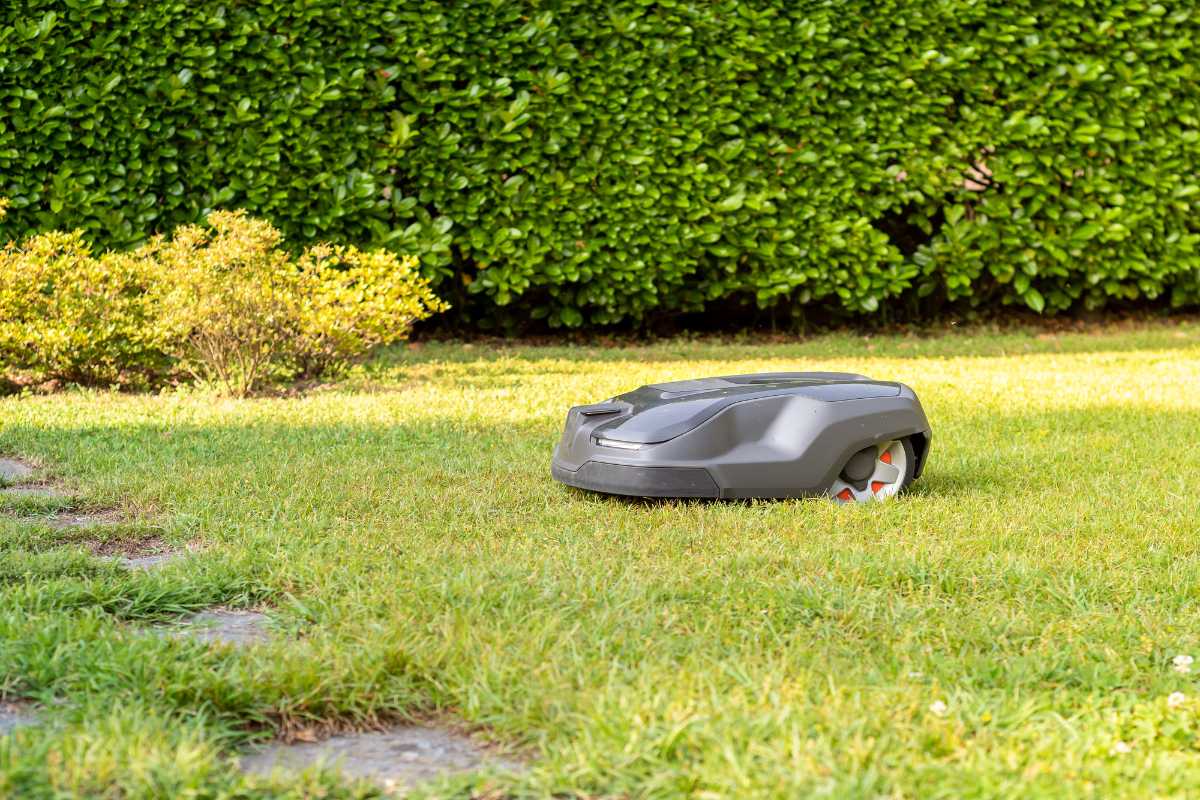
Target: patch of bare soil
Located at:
point(132, 547)
point(135, 552)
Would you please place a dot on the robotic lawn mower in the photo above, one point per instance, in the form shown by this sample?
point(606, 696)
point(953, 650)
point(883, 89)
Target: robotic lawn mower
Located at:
point(771, 435)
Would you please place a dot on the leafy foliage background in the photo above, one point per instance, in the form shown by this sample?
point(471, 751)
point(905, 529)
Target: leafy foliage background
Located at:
point(591, 163)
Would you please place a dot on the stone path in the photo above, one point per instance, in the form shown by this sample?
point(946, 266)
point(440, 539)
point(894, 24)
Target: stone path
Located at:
point(396, 759)
point(225, 626)
point(13, 716)
point(16, 480)
point(12, 470)
point(89, 519)
point(36, 492)
point(146, 562)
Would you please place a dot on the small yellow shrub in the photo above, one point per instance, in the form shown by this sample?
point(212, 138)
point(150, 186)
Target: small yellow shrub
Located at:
point(353, 301)
point(240, 311)
point(224, 302)
point(227, 299)
point(66, 314)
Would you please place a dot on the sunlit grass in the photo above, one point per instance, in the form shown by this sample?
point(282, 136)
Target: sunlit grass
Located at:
point(403, 528)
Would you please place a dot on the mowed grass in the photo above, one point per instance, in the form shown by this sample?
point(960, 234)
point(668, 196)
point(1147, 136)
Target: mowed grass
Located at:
point(1005, 629)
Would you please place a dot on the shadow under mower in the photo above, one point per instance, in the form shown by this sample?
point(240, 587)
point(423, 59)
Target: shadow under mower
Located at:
point(768, 435)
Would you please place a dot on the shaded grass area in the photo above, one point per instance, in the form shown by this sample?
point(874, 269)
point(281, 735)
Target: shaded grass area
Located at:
point(417, 560)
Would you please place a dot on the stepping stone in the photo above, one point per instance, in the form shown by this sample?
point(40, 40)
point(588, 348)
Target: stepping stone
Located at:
point(13, 716)
point(15, 481)
point(37, 492)
point(225, 626)
point(61, 521)
point(13, 470)
point(398, 758)
point(146, 562)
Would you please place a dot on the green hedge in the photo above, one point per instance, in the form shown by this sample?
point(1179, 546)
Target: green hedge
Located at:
point(593, 162)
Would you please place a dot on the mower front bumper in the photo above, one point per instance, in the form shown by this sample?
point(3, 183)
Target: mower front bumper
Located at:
point(637, 481)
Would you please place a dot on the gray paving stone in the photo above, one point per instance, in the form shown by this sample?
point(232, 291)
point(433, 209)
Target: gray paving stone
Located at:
point(146, 562)
point(225, 626)
point(398, 758)
point(13, 716)
point(85, 520)
point(37, 492)
point(12, 469)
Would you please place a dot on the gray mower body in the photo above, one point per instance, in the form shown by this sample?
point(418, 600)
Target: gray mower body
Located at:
point(770, 435)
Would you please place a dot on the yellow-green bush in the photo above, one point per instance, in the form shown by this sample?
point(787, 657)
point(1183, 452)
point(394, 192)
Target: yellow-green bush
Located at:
point(227, 299)
point(238, 310)
point(225, 303)
point(66, 314)
point(354, 300)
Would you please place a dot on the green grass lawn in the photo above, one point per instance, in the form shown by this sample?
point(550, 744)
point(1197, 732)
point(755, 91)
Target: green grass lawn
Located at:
point(995, 632)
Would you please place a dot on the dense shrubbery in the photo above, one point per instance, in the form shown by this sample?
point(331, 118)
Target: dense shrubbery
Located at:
point(225, 303)
point(70, 315)
point(237, 309)
point(589, 164)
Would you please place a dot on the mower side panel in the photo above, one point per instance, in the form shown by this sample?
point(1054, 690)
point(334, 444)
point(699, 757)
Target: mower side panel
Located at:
point(790, 446)
point(813, 467)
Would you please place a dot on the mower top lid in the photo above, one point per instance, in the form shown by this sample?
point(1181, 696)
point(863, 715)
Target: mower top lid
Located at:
point(662, 411)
